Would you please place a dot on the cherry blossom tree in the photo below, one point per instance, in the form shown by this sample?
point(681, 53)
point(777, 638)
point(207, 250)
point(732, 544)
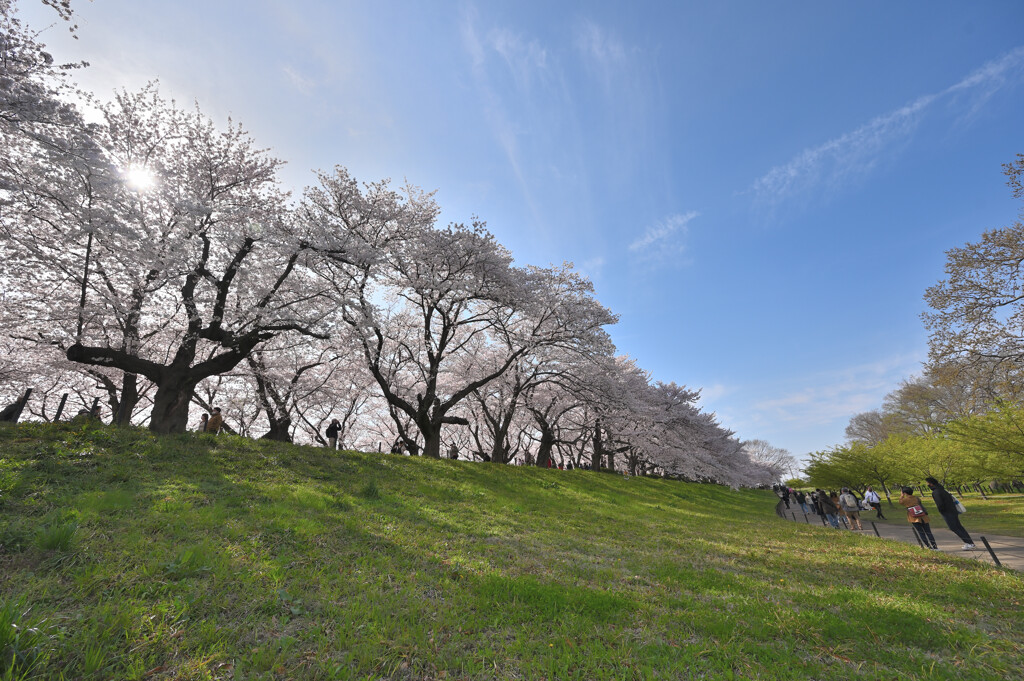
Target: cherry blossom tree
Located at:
point(33, 88)
point(977, 311)
point(776, 461)
point(417, 297)
point(173, 258)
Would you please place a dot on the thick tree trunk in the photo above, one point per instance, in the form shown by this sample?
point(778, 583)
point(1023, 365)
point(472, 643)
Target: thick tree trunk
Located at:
point(129, 398)
point(170, 404)
point(598, 454)
point(432, 442)
point(498, 454)
point(547, 443)
point(13, 412)
point(280, 430)
point(500, 448)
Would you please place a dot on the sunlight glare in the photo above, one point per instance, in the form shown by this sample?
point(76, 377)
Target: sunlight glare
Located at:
point(139, 178)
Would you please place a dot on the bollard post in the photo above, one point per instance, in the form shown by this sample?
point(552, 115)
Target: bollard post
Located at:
point(823, 523)
point(806, 519)
point(845, 524)
point(991, 552)
point(794, 516)
point(875, 528)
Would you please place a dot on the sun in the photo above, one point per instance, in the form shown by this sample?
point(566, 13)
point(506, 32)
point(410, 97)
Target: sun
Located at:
point(139, 178)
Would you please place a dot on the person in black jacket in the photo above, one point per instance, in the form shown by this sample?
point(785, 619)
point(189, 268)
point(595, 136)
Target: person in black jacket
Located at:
point(332, 434)
point(827, 508)
point(946, 505)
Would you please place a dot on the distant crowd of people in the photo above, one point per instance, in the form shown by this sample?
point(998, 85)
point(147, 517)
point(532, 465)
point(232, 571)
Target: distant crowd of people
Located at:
point(847, 507)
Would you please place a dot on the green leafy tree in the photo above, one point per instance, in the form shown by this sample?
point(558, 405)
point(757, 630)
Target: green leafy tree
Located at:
point(996, 437)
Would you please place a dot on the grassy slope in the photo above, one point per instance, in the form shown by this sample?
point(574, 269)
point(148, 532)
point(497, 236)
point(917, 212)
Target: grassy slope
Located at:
point(198, 557)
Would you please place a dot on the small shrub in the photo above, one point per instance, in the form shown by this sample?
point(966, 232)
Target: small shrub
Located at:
point(14, 538)
point(57, 537)
point(94, 660)
point(189, 563)
point(370, 490)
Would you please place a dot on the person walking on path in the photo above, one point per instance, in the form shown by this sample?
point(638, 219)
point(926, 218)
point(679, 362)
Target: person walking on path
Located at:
point(828, 509)
point(871, 496)
point(851, 507)
point(801, 499)
point(332, 434)
point(834, 498)
point(918, 518)
point(945, 504)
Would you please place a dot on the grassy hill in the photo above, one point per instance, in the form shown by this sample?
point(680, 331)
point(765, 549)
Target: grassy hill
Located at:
point(131, 556)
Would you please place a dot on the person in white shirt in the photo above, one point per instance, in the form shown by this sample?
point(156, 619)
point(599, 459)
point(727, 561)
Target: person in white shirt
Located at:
point(872, 498)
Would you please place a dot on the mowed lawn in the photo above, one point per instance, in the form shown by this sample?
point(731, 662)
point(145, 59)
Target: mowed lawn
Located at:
point(131, 556)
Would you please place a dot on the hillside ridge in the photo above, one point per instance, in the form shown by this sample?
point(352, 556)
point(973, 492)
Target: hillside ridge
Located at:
point(192, 556)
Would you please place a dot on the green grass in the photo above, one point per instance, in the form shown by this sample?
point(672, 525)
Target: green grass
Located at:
point(201, 557)
point(999, 514)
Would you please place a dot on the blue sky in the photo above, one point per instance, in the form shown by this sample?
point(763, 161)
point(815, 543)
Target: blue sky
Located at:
point(762, 191)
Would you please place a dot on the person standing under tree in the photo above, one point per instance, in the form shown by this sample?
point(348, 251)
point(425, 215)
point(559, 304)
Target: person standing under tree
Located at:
point(332, 434)
point(216, 422)
point(946, 506)
point(203, 420)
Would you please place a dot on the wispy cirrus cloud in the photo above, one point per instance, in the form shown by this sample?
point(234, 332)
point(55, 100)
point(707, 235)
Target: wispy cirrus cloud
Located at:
point(304, 84)
point(526, 60)
point(854, 154)
point(523, 59)
point(836, 394)
point(602, 52)
point(813, 411)
point(665, 236)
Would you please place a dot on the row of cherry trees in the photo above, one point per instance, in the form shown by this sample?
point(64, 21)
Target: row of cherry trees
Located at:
point(152, 257)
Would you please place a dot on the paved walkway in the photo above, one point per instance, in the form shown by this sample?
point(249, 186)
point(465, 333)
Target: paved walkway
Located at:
point(1009, 550)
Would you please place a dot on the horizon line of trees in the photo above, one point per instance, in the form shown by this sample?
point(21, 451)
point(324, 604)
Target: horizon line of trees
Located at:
point(152, 258)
